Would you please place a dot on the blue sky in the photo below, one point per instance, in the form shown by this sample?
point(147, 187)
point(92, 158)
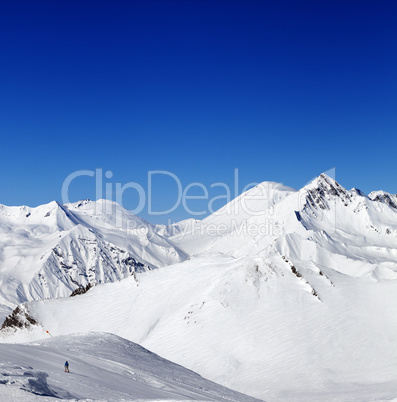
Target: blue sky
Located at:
point(280, 90)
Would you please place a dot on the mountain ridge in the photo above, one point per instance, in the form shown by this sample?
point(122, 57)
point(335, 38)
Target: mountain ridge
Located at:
point(50, 250)
point(99, 241)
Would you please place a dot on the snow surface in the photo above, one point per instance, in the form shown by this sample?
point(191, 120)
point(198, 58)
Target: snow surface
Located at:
point(286, 296)
point(103, 367)
point(260, 332)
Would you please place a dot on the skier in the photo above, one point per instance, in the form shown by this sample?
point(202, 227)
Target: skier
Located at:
point(66, 367)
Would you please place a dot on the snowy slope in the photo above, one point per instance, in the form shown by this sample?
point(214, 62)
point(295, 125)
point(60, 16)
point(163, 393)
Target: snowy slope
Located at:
point(296, 301)
point(249, 324)
point(102, 367)
point(51, 250)
point(259, 202)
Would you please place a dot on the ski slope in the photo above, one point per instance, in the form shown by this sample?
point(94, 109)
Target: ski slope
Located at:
point(103, 367)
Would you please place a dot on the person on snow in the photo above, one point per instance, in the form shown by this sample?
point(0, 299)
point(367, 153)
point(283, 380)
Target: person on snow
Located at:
point(66, 367)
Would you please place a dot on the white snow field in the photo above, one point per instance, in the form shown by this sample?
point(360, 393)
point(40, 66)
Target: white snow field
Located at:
point(103, 367)
point(260, 332)
point(285, 296)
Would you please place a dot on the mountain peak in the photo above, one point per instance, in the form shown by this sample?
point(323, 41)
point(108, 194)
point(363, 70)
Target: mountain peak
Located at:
point(386, 198)
point(50, 214)
point(324, 181)
point(323, 188)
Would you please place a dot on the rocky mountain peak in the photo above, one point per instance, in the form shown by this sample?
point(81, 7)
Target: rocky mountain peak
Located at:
point(322, 189)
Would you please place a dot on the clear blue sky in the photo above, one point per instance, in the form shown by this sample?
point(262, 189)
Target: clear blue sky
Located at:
point(281, 90)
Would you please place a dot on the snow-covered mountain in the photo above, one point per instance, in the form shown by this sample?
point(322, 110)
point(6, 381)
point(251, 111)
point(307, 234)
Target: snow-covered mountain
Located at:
point(286, 295)
point(51, 250)
point(382, 196)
